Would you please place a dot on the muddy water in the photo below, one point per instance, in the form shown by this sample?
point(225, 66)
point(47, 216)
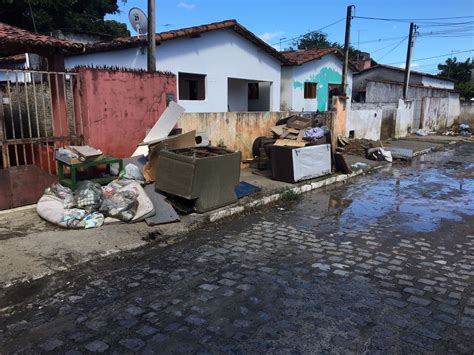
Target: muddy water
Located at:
point(416, 196)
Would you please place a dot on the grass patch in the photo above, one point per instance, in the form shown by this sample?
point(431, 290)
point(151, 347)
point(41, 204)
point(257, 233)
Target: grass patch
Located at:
point(289, 196)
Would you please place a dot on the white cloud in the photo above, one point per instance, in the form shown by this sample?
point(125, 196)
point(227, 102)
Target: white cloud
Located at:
point(268, 36)
point(412, 66)
point(186, 6)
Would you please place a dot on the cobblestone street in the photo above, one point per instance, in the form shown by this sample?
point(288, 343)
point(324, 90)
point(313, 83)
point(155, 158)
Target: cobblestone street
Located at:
point(383, 264)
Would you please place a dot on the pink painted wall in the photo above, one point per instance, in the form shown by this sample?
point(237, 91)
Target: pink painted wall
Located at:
point(119, 106)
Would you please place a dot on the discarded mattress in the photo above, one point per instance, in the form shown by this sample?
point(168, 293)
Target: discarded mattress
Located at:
point(51, 209)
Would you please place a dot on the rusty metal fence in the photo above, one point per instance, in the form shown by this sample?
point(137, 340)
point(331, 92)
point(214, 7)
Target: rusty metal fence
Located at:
point(38, 113)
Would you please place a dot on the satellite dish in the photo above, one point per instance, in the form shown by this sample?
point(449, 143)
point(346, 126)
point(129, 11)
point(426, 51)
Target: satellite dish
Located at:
point(138, 20)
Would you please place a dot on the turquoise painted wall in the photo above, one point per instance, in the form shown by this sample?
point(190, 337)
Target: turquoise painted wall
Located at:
point(325, 77)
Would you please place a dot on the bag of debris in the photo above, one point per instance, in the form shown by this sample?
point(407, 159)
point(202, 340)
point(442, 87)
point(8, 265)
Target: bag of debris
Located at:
point(314, 133)
point(121, 205)
point(93, 220)
point(62, 192)
point(379, 154)
point(132, 172)
point(72, 218)
point(110, 189)
point(88, 196)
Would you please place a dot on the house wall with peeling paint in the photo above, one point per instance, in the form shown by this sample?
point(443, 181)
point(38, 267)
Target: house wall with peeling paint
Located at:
point(323, 72)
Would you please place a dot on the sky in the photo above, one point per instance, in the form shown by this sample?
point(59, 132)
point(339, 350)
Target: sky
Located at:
point(385, 40)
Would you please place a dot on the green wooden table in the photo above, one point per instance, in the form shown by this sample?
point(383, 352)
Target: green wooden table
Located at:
point(73, 180)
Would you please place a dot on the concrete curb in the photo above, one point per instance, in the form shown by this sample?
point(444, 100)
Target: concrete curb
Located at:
point(231, 211)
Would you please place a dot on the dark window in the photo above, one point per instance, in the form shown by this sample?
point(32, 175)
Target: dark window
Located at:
point(253, 91)
point(310, 90)
point(192, 86)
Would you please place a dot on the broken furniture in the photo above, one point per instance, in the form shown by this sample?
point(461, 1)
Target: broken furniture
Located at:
point(71, 182)
point(292, 164)
point(184, 140)
point(206, 175)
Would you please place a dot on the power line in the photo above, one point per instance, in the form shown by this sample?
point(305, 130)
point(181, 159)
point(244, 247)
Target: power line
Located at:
point(436, 56)
point(395, 47)
point(307, 33)
point(412, 19)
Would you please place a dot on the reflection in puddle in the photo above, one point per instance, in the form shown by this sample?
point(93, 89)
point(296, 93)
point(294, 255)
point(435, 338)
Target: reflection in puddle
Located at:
point(416, 198)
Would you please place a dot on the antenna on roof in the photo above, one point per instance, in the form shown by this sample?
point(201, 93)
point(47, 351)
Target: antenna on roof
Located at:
point(138, 20)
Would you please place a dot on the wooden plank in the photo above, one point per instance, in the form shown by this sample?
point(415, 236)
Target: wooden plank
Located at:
point(289, 143)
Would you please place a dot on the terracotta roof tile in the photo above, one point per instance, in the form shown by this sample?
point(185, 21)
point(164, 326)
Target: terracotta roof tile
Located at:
point(303, 56)
point(18, 40)
point(127, 42)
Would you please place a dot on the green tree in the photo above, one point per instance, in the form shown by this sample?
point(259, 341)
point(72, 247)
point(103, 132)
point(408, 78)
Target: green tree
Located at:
point(466, 89)
point(461, 72)
point(49, 15)
point(319, 39)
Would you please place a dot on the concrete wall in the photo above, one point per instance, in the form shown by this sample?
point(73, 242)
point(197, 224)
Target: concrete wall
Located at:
point(118, 107)
point(454, 109)
point(437, 82)
point(403, 118)
point(366, 119)
point(218, 54)
point(385, 74)
point(434, 108)
point(236, 130)
point(377, 92)
point(324, 71)
point(466, 114)
point(434, 113)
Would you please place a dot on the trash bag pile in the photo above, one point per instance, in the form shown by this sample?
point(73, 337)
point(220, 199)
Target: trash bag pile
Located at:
point(91, 204)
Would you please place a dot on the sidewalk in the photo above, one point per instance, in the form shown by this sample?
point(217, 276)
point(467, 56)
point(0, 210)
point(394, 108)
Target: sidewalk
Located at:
point(31, 248)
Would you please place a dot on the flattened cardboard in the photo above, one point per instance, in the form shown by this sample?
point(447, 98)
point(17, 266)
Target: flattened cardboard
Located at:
point(289, 143)
point(185, 140)
point(162, 127)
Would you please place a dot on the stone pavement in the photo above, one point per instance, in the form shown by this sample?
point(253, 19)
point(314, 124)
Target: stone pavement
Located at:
point(384, 264)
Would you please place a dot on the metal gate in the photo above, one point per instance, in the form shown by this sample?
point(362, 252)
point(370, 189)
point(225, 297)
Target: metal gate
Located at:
point(39, 112)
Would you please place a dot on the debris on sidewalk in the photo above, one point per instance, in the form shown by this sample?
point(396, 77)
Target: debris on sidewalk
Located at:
point(421, 132)
point(162, 127)
point(379, 154)
point(245, 189)
point(464, 129)
point(207, 176)
point(290, 154)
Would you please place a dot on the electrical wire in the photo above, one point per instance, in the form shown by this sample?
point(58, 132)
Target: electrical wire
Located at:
point(437, 56)
point(32, 16)
point(395, 47)
point(420, 20)
point(307, 33)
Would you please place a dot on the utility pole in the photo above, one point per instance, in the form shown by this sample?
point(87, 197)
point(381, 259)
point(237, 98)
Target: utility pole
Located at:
point(346, 49)
point(411, 42)
point(281, 39)
point(151, 57)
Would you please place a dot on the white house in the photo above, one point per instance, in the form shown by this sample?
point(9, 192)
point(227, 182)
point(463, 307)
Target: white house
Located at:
point(311, 78)
point(219, 66)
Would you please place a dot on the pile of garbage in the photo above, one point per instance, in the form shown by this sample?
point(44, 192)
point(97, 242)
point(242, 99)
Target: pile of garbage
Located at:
point(298, 131)
point(92, 205)
point(373, 150)
point(462, 129)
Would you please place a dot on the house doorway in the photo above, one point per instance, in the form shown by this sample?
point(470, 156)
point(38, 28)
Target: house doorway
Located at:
point(248, 95)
